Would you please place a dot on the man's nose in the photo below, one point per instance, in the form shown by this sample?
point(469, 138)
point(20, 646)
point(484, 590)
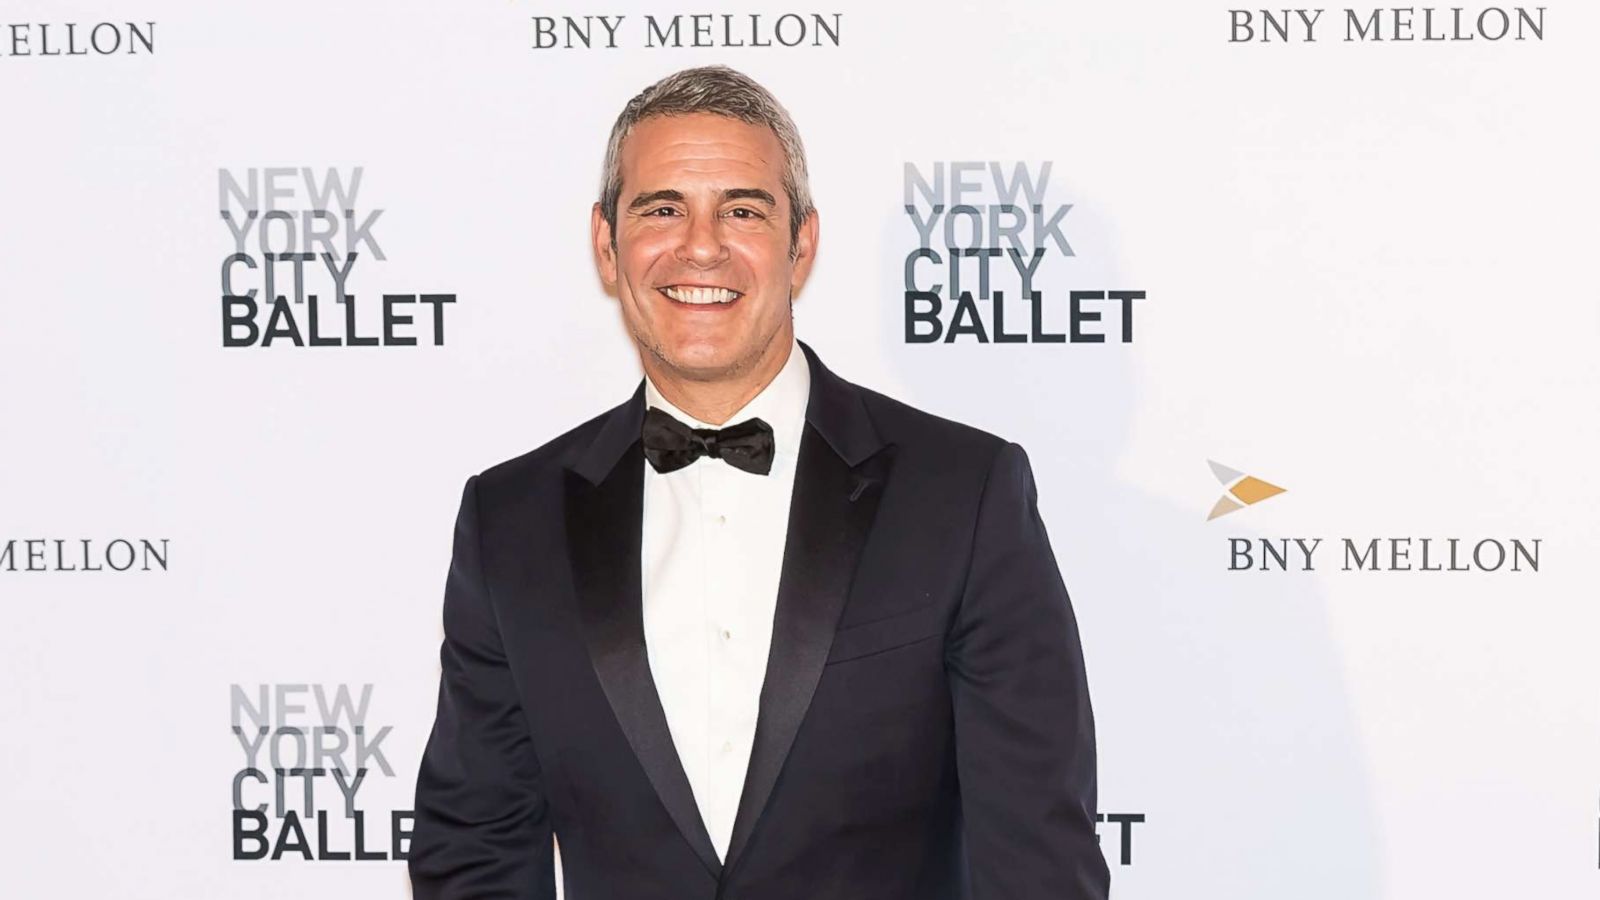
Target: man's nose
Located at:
point(702, 241)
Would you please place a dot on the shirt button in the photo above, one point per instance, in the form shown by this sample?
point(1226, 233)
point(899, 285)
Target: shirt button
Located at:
point(722, 520)
point(727, 635)
point(727, 746)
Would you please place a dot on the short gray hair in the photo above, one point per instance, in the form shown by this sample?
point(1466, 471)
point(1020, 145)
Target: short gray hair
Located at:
point(720, 91)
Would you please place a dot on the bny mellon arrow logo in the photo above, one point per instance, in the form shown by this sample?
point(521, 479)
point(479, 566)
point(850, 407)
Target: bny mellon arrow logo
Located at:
point(1243, 490)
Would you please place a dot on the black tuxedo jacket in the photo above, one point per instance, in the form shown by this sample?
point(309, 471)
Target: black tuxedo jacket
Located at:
point(924, 728)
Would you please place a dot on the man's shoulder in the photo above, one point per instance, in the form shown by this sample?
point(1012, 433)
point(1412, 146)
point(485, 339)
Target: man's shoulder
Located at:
point(545, 462)
point(948, 445)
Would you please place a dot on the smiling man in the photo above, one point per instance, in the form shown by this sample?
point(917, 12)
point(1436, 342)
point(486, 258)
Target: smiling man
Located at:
point(757, 632)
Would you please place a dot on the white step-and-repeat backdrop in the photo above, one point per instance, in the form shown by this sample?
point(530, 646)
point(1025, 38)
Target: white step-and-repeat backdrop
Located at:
point(1295, 311)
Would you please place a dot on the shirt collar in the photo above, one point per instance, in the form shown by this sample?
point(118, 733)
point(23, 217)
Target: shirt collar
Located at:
point(781, 404)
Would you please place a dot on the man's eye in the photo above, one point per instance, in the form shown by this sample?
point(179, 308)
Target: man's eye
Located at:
point(662, 209)
point(747, 211)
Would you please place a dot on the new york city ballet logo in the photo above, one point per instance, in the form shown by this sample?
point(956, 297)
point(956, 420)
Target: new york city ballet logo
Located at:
point(1121, 837)
point(985, 235)
point(296, 237)
point(308, 752)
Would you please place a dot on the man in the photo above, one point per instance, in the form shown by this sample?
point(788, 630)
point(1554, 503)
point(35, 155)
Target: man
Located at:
point(757, 632)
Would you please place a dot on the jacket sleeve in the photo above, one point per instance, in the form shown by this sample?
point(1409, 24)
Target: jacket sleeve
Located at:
point(1025, 751)
point(482, 828)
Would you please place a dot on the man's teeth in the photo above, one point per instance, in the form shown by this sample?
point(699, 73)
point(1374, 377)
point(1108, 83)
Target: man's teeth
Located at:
point(701, 295)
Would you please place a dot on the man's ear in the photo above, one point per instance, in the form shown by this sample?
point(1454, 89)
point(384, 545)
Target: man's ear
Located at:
point(805, 250)
point(605, 256)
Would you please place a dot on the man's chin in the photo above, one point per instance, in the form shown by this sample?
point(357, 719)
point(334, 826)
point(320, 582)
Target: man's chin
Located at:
point(705, 362)
point(705, 370)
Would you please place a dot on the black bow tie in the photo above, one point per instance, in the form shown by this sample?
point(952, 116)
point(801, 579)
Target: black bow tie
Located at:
point(670, 445)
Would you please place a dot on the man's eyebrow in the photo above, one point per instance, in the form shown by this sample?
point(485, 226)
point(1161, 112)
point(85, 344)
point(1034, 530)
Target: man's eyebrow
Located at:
point(654, 197)
point(748, 194)
point(673, 196)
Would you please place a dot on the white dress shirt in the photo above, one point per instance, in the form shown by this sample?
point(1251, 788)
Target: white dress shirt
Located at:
point(711, 555)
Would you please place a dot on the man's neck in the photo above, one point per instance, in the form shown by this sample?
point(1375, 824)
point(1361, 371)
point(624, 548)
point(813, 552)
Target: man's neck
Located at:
point(714, 402)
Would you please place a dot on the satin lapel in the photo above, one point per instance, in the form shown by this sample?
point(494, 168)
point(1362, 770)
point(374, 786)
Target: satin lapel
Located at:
point(829, 517)
point(604, 523)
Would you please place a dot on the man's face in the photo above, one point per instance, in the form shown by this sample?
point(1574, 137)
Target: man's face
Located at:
point(702, 264)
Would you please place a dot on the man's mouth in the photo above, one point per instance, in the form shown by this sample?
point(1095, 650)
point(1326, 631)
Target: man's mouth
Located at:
point(697, 295)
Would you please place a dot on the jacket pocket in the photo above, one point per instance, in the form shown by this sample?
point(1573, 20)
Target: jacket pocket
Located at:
point(898, 630)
